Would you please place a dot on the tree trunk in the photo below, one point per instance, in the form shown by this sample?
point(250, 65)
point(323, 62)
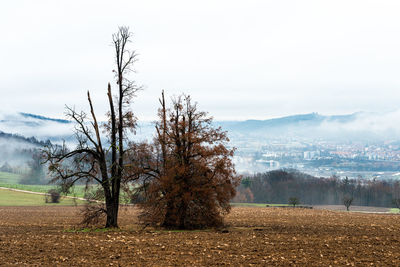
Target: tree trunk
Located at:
point(170, 216)
point(182, 218)
point(175, 218)
point(112, 214)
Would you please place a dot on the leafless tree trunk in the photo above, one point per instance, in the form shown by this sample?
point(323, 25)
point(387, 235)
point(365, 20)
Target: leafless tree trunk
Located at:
point(90, 161)
point(347, 201)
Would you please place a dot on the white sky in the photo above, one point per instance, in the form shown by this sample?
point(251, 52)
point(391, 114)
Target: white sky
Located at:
point(238, 59)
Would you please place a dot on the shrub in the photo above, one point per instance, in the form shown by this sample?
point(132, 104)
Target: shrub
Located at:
point(52, 196)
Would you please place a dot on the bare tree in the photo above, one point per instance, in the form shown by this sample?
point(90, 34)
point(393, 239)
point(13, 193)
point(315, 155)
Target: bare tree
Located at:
point(293, 201)
point(396, 202)
point(347, 201)
point(91, 161)
point(348, 192)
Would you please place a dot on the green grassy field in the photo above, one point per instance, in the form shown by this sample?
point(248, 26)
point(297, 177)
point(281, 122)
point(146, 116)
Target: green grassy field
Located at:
point(12, 198)
point(78, 190)
point(395, 210)
point(9, 178)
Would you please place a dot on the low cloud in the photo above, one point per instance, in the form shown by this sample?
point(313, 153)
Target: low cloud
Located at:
point(42, 129)
point(373, 126)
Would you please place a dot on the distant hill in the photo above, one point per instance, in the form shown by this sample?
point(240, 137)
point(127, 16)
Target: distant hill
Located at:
point(41, 127)
point(310, 119)
point(302, 120)
point(12, 138)
point(312, 125)
point(295, 124)
point(355, 126)
point(17, 150)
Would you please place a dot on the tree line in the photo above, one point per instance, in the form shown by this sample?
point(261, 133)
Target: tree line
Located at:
point(279, 186)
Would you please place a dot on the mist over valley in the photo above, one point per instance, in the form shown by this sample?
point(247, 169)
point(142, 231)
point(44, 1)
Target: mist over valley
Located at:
point(359, 144)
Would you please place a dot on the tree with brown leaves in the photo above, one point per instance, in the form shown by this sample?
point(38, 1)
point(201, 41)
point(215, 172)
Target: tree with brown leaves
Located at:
point(91, 161)
point(187, 173)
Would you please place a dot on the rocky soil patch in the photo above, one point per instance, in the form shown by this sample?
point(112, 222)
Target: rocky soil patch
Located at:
point(45, 236)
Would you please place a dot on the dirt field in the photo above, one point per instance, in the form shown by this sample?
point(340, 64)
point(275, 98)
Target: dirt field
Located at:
point(255, 236)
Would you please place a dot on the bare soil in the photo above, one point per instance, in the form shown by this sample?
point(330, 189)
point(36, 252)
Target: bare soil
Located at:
point(43, 236)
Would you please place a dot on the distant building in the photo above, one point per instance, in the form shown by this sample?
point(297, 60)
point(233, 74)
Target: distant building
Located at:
point(311, 154)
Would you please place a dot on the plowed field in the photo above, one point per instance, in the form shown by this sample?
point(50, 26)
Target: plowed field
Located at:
point(254, 236)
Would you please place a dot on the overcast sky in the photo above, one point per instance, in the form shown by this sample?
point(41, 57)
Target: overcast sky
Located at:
point(238, 59)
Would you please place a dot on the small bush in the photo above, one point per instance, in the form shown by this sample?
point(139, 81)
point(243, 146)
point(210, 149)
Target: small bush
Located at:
point(52, 196)
point(93, 214)
point(94, 211)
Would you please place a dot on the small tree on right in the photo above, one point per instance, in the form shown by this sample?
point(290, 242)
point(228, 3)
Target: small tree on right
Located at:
point(348, 192)
point(188, 175)
point(396, 202)
point(293, 201)
point(347, 201)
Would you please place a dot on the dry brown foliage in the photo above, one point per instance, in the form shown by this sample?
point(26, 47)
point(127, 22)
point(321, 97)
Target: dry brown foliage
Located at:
point(187, 173)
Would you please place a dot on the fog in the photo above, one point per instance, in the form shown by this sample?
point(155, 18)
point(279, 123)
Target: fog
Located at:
point(16, 123)
point(362, 126)
point(15, 153)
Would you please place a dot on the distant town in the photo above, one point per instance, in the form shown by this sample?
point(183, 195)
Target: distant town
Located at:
point(320, 157)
